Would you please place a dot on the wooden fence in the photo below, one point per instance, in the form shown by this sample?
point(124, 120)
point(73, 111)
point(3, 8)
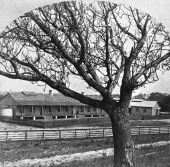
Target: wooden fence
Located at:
point(51, 134)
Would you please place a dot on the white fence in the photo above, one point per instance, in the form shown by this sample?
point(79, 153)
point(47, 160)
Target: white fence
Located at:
point(27, 135)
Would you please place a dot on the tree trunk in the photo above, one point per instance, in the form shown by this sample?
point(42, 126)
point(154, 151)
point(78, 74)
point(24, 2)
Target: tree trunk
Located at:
point(123, 144)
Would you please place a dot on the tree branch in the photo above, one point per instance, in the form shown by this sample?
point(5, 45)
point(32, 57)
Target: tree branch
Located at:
point(150, 65)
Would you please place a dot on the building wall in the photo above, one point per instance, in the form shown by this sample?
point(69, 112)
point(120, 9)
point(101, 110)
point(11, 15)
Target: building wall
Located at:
point(28, 111)
point(8, 103)
point(92, 111)
point(63, 111)
point(38, 111)
point(55, 110)
point(46, 111)
point(140, 111)
point(155, 110)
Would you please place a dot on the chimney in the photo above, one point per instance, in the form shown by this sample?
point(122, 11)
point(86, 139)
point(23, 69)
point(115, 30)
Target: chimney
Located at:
point(50, 92)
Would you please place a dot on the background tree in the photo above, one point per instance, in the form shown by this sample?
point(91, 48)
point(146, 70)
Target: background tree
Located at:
point(140, 96)
point(103, 43)
point(163, 100)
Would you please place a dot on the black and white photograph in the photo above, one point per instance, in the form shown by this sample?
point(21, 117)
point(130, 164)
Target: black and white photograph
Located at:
point(84, 83)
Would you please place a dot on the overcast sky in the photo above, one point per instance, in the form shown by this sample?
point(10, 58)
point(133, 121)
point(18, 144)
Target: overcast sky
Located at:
point(11, 9)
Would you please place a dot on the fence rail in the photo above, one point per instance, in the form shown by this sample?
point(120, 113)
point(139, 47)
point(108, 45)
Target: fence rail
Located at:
point(51, 134)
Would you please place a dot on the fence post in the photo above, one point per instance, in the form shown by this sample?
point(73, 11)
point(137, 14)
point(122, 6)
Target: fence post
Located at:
point(103, 132)
point(6, 136)
point(168, 130)
point(26, 135)
point(75, 134)
point(159, 130)
point(139, 130)
point(59, 134)
point(89, 133)
point(149, 131)
point(43, 135)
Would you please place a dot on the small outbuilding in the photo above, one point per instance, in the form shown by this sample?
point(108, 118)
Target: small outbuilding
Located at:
point(144, 108)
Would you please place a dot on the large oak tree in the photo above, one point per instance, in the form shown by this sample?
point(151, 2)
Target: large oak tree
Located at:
point(105, 44)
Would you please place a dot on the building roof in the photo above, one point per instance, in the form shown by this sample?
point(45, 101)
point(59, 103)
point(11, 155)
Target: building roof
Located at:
point(30, 98)
point(143, 103)
point(64, 100)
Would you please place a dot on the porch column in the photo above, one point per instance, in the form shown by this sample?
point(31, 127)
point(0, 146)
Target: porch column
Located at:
point(74, 112)
point(42, 109)
point(32, 110)
point(22, 112)
point(84, 111)
point(51, 110)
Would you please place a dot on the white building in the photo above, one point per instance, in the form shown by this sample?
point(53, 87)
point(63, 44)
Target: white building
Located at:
point(144, 108)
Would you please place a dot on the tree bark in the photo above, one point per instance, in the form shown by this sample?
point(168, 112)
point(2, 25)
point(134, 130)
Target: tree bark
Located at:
point(124, 150)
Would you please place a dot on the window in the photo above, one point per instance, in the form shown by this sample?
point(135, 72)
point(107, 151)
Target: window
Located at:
point(157, 111)
point(88, 109)
point(82, 108)
point(41, 112)
point(144, 110)
point(66, 108)
point(137, 109)
point(50, 109)
point(21, 110)
point(130, 110)
point(32, 109)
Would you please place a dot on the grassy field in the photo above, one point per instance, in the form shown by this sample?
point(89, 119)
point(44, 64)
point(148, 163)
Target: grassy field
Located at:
point(159, 159)
point(15, 151)
point(150, 122)
point(11, 126)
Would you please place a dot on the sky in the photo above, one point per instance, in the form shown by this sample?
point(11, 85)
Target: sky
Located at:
point(12, 9)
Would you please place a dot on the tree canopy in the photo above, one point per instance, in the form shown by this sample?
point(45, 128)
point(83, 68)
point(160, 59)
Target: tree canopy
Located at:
point(105, 44)
point(102, 43)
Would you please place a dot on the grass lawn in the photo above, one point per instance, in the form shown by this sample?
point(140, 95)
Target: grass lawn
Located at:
point(12, 126)
point(14, 151)
point(158, 122)
point(149, 122)
point(159, 159)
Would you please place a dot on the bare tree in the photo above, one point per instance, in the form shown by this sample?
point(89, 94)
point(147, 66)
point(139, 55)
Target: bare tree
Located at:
point(104, 44)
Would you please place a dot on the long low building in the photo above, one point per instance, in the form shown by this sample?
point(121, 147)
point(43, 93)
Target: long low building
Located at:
point(27, 105)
